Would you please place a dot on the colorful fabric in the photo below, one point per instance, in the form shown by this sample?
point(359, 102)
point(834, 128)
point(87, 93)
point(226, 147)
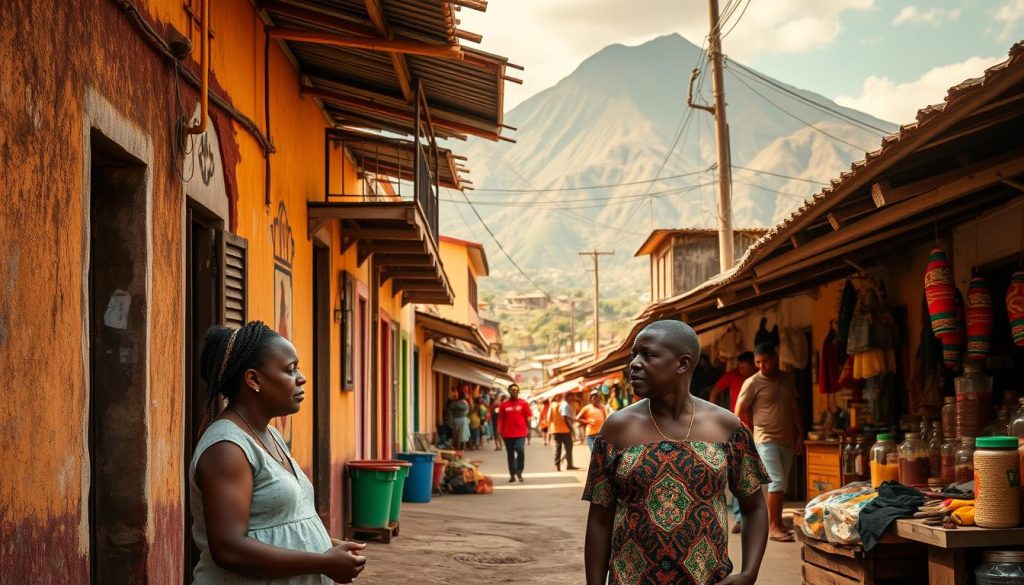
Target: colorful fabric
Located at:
point(979, 320)
point(514, 418)
point(953, 341)
point(833, 515)
point(939, 290)
point(828, 365)
point(594, 417)
point(671, 519)
point(1015, 307)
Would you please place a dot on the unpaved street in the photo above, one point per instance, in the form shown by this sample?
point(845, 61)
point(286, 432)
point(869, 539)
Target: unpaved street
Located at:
point(523, 533)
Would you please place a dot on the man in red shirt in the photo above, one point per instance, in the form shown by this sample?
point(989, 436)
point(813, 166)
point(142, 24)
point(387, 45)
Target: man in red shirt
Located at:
point(732, 381)
point(514, 425)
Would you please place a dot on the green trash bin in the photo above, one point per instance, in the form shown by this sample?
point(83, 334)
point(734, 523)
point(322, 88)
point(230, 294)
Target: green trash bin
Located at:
point(372, 484)
point(399, 486)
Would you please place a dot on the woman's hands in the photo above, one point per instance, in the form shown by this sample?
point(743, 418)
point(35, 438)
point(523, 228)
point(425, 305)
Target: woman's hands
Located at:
point(343, 563)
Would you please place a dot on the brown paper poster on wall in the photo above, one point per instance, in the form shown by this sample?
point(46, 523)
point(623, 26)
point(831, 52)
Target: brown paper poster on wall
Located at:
point(284, 254)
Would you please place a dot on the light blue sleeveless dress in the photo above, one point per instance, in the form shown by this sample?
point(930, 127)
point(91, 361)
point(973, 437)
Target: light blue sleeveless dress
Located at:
point(282, 512)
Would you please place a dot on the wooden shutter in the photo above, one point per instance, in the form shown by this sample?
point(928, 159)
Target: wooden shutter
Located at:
point(232, 275)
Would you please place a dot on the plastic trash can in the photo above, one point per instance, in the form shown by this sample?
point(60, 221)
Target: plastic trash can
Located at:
point(372, 485)
point(398, 488)
point(439, 466)
point(421, 475)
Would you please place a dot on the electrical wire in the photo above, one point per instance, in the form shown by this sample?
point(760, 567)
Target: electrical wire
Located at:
point(780, 175)
point(764, 79)
point(797, 118)
point(737, 21)
point(770, 190)
point(558, 204)
point(553, 189)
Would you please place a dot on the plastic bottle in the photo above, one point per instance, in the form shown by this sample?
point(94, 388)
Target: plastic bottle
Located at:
point(1016, 428)
point(998, 427)
point(914, 461)
point(948, 460)
point(885, 464)
point(935, 450)
point(949, 416)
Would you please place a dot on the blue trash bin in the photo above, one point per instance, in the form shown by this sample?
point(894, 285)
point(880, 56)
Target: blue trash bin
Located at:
point(418, 484)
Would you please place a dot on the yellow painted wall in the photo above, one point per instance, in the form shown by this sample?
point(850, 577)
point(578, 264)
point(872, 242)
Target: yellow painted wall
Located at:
point(458, 266)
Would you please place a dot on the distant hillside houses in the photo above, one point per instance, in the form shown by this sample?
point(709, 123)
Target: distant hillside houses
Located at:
point(523, 302)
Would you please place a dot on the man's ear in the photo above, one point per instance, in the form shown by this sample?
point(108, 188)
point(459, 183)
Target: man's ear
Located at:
point(684, 364)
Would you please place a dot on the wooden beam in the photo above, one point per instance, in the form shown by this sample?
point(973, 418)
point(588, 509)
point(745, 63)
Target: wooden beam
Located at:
point(410, 233)
point(410, 274)
point(478, 5)
point(424, 285)
point(374, 247)
point(833, 221)
point(796, 240)
point(398, 62)
point(469, 36)
point(879, 191)
point(406, 116)
point(425, 299)
point(362, 211)
point(883, 221)
point(396, 260)
point(375, 44)
point(1015, 184)
point(317, 18)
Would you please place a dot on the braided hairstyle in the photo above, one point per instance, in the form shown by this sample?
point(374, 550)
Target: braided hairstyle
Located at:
point(227, 354)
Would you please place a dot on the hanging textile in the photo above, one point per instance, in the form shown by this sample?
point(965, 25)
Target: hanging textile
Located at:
point(763, 335)
point(1015, 307)
point(926, 375)
point(953, 341)
point(793, 349)
point(939, 289)
point(828, 365)
point(730, 346)
point(847, 305)
point(979, 320)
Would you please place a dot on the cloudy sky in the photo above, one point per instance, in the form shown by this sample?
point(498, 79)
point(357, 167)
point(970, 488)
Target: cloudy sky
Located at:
point(885, 57)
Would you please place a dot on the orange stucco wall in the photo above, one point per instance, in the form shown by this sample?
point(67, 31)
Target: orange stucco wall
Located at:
point(457, 265)
point(57, 55)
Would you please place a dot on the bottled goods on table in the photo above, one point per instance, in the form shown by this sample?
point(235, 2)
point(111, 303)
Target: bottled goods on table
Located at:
point(999, 427)
point(996, 482)
point(885, 463)
point(948, 460)
point(999, 567)
point(863, 453)
point(1017, 420)
point(949, 416)
point(964, 463)
point(974, 403)
point(914, 463)
point(935, 451)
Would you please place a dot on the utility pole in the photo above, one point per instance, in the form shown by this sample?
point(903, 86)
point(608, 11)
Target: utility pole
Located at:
point(725, 238)
point(572, 326)
point(594, 255)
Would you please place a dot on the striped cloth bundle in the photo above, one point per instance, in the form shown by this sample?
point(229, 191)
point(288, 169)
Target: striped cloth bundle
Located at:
point(953, 341)
point(940, 293)
point(1015, 307)
point(979, 319)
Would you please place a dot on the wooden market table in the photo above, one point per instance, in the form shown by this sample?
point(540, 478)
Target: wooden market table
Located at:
point(948, 549)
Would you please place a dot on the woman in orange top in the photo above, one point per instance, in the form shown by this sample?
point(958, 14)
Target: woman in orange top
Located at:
point(545, 409)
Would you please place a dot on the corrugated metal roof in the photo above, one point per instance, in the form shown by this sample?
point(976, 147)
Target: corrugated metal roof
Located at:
point(394, 157)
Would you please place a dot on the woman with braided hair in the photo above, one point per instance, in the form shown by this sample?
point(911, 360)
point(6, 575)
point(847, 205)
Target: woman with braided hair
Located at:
point(254, 520)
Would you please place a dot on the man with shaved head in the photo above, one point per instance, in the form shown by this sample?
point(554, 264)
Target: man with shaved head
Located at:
point(659, 472)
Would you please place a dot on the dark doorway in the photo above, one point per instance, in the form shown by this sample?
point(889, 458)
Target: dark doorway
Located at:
point(322, 382)
point(202, 311)
point(118, 363)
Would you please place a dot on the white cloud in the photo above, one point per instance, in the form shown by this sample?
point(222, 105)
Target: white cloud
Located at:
point(933, 16)
point(551, 37)
point(1009, 14)
point(899, 102)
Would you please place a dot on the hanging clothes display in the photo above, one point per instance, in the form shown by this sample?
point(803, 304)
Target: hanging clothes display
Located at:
point(764, 336)
point(939, 290)
point(873, 335)
point(1015, 307)
point(847, 305)
point(793, 350)
point(828, 364)
point(926, 375)
point(979, 319)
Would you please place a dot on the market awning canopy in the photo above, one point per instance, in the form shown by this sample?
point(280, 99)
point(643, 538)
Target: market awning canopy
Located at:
point(448, 328)
point(471, 371)
point(567, 386)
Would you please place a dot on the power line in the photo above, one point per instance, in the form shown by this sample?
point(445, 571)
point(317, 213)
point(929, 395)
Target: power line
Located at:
point(815, 104)
point(780, 175)
point(655, 180)
point(560, 202)
point(797, 118)
point(738, 18)
point(770, 190)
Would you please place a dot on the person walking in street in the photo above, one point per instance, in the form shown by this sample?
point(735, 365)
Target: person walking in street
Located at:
point(514, 424)
point(475, 425)
point(561, 425)
point(592, 416)
point(460, 421)
point(769, 399)
point(658, 477)
point(252, 506)
point(542, 423)
point(731, 383)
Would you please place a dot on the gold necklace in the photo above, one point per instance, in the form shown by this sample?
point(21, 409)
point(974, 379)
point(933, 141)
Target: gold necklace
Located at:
point(279, 456)
point(693, 409)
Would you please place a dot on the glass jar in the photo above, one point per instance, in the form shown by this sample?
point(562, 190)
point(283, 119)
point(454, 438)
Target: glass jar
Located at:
point(964, 462)
point(999, 426)
point(863, 451)
point(948, 460)
point(885, 462)
point(935, 451)
point(1016, 428)
point(914, 461)
point(996, 483)
point(849, 459)
point(949, 416)
point(974, 406)
point(999, 567)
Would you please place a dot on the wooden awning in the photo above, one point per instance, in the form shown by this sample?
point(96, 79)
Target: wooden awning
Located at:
point(470, 367)
point(394, 157)
point(396, 233)
point(437, 326)
point(365, 59)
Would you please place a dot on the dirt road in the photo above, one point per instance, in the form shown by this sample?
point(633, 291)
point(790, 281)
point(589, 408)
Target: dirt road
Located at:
point(529, 532)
